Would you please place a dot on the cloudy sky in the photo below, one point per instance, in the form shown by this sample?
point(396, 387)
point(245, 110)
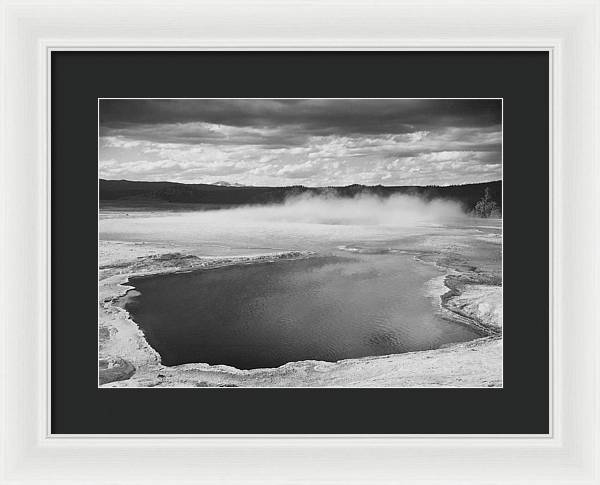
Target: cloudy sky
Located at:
point(309, 142)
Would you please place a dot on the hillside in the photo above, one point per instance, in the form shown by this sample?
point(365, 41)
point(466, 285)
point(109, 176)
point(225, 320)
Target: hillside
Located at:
point(126, 191)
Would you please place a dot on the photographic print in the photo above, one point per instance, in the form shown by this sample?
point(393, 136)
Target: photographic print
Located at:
point(300, 243)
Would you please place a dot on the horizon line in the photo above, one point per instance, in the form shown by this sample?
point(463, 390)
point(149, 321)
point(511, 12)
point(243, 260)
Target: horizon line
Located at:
point(241, 186)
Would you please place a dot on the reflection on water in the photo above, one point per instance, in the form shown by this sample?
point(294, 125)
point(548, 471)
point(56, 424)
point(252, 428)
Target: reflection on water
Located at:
point(264, 315)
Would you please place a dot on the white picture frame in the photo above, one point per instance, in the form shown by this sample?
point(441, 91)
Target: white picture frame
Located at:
point(568, 29)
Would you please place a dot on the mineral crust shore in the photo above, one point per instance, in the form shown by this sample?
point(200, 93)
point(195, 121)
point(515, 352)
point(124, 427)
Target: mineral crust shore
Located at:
point(127, 360)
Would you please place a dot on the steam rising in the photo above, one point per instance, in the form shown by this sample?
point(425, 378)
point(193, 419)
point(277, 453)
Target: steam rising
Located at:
point(301, 222)
point(397, 210)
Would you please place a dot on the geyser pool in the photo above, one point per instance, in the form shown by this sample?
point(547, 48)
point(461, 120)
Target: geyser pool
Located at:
point(265, 315)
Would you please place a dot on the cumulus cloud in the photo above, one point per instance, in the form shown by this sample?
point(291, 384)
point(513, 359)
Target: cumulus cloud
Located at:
point(309, 142)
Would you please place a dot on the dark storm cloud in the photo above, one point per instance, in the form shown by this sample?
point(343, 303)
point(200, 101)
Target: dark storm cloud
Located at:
point(313, 116)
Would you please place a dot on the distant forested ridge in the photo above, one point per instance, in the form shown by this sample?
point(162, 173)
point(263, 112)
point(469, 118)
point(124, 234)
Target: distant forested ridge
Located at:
point(126, 191)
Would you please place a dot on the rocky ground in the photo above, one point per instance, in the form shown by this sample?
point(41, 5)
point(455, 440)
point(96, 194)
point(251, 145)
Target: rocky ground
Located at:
point(471, 292)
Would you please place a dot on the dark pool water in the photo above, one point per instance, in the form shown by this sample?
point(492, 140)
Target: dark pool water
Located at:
point(265, 315)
